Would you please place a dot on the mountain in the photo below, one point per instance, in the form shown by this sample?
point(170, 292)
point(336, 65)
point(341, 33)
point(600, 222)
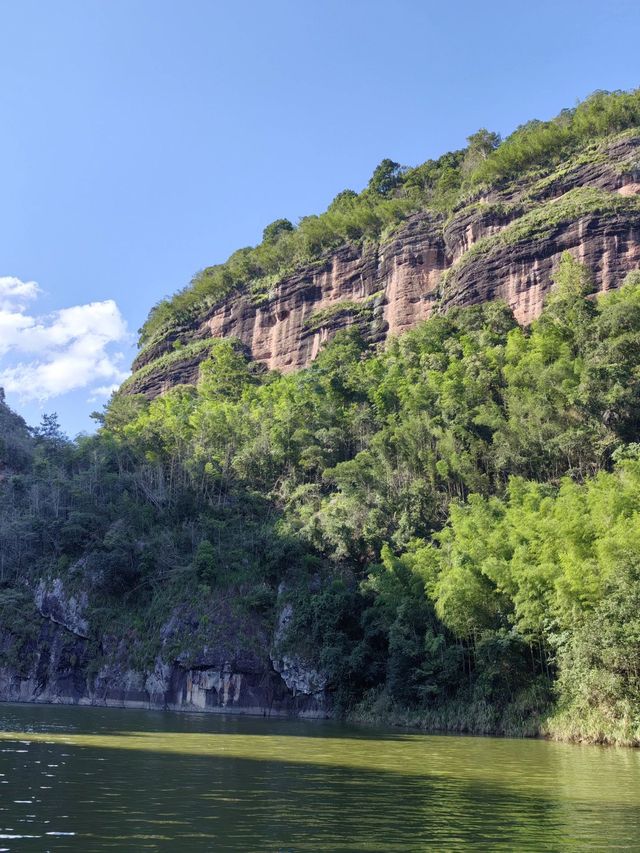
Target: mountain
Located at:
point(384, 465)
point(498, 240)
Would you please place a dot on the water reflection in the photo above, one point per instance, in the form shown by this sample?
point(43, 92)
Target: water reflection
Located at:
point(81, 779)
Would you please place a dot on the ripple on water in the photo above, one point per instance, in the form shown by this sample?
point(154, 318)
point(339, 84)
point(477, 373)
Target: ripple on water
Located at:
point(144, 781)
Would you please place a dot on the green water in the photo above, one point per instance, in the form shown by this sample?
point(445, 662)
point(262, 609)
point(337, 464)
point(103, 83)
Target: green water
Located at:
point(85, 779)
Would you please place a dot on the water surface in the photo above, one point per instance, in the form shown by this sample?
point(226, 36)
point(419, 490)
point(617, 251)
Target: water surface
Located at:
point(88, 779)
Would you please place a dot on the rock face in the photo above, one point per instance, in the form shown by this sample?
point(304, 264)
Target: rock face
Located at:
point(521, 273)
point(54, 603)
point(393, 285)
point(58, 663)
point(282, 333)
point(300, 678)
point(389, 287)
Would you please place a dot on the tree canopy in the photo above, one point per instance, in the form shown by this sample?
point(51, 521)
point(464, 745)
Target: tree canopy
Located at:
point(453, 519)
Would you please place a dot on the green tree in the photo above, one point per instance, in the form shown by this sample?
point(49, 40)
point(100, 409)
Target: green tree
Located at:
point(479, 146)
point(275, 229)
point(344, 201)
point(386, 177)
point(205, 562)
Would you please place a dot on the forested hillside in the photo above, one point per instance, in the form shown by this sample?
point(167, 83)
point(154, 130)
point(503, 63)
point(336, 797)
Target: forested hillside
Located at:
point(444, 532)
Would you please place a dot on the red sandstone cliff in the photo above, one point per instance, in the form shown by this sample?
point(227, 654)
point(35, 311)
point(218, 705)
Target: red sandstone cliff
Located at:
point(503, 245)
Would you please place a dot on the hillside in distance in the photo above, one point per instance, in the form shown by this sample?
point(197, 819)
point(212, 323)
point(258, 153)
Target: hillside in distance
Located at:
point(487, 222)
point(438, 528)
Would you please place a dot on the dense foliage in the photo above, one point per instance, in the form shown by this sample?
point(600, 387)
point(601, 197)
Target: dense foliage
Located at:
point(455, 520)
point(391, 195)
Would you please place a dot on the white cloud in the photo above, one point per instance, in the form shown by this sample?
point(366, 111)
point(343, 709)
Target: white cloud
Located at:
point(102, 392)
point(64, 351)
point(15, 293)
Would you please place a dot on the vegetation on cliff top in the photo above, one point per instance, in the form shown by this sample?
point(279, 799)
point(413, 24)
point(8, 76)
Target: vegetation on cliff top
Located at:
point(454, 520)
point(392, 194)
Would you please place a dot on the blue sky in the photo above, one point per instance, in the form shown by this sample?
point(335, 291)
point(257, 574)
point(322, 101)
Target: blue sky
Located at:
point(142, 140)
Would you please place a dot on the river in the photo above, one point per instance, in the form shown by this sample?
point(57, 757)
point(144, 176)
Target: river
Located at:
point(88, 779)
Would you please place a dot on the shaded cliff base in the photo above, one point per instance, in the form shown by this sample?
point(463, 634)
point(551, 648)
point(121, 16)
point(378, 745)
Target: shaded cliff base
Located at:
point(530, 715)
point(53, 656)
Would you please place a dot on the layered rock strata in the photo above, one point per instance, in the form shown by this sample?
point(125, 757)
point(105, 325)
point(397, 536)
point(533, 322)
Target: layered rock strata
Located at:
point(428, 265)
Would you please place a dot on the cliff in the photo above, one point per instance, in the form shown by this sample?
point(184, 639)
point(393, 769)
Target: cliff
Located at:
point(504, 243)
point(51, 652)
